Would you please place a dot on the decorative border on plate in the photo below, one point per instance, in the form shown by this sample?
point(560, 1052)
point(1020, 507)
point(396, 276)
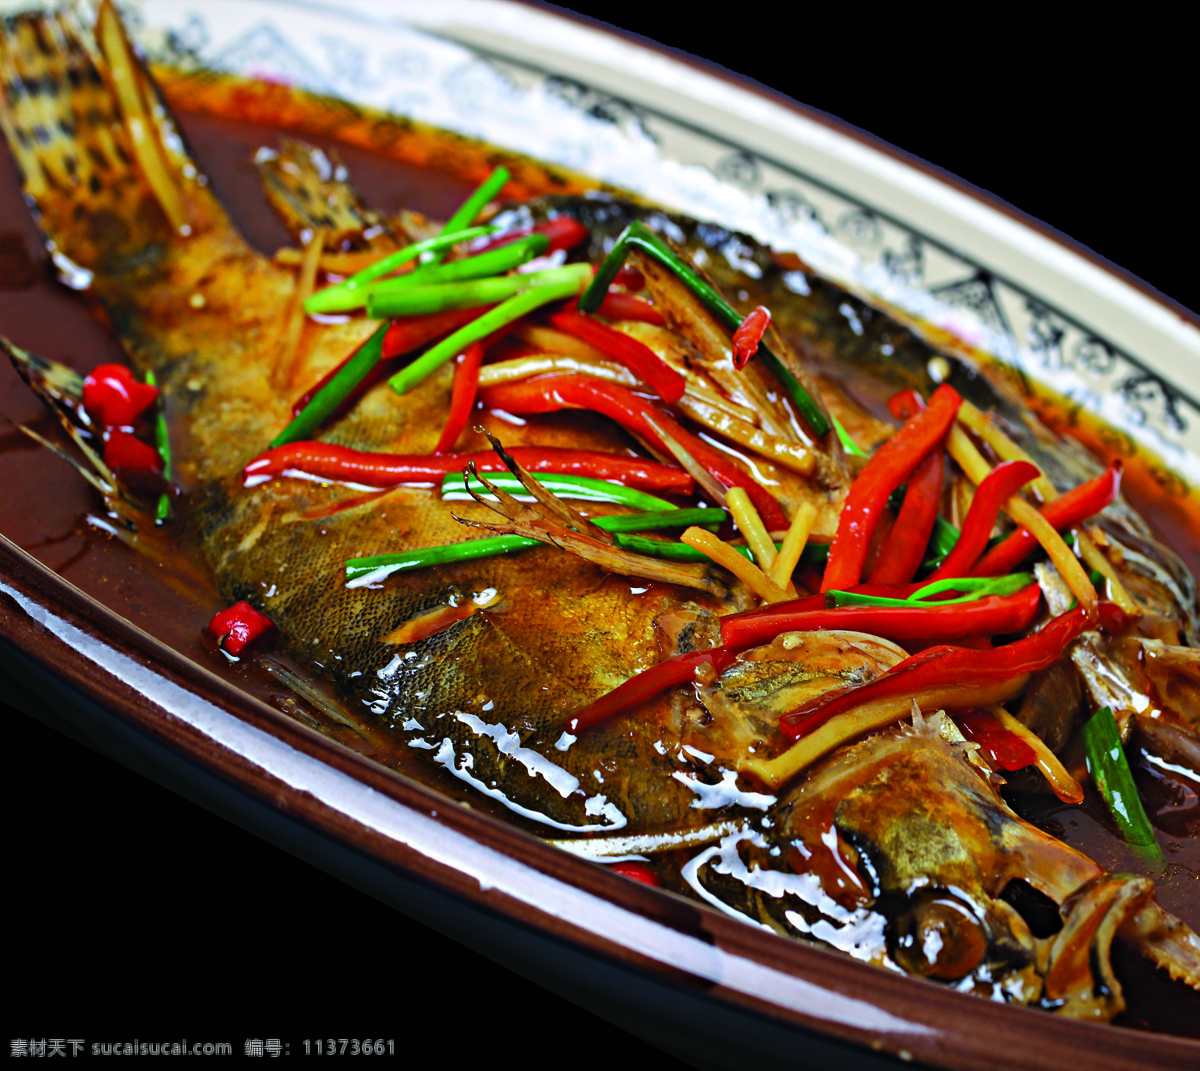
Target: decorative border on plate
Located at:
point(553, 116)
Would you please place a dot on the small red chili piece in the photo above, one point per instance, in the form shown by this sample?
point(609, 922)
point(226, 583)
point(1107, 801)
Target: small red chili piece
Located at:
point(239, 626)
point(630, 278)
point(462, 396)
point(1002, 747)
point(618, 305)
point(901, 555)
point(562, 231)
point(638, 871)
point(905, 404)
point(126, 453)
point(113, 398)
point(747, 337)
point(639, 358)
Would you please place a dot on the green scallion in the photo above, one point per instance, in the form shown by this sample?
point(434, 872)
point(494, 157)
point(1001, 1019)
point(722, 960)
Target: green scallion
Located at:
point(360, 571)
point(162, 440)
point(1110, 771)
point(473, 205)
point(656, 519)
point(848, 444)
point(975, 588)
point(348, 294)
point(579, 487)
point(536, 294)
point(493, 262)
point(336, 391)
point(638, 236)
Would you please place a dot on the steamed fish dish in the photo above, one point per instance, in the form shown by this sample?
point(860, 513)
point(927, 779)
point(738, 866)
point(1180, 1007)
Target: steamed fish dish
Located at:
point(563, 505)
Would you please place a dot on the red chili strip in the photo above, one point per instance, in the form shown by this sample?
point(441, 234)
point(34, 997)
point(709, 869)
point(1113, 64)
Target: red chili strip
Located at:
point(548, 394)
point(639, 358)
point(402, 337)
point(905, 404)
point(1004, 481)
point(892, 464)
point(129, 457)
point(902, 554)
point(630, 278)
point(114, 398)
point(748, 335)
point(564, 232)
point(947, 666)
point(328, 461)
point(680, 669)
point(989, 616)
point(1002, 747)
point(462, 396)
point(1069, 509)
point(239, 626)
point(638, 871)
point(618, 305)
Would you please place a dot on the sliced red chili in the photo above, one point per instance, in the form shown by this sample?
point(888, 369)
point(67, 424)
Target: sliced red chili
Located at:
point(617, 305)
point(902, 554)
point(548, 394)
point(114, 398)
point(1002, 747)
point(401, 338)
point(462, 396)
point(932, 623)
point(960, 667)
point(564, 232)
point(638, 871)
point(127, 453)
point(889, 467)
point(639, 358)
point(905, 404)
point(1004, 481)
point(630, 278)
point(674, 671)
point(329, 461)
point(240, 626)
point(749, 334)
point(1071, 508)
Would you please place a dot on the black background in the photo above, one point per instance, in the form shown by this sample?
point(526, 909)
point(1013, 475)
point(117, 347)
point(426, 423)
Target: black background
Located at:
point(114, 931)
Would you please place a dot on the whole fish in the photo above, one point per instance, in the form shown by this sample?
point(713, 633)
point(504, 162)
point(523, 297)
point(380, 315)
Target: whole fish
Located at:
point(926, 843)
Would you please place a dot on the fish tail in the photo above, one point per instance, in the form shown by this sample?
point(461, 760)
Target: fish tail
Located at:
point(99, 154)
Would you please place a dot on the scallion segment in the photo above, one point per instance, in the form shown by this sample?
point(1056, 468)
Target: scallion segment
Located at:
point(565, 486)
point(349, 293)
point(493, 262)
point(421, 300)
point(848, 444)
point(974, 588)
point(360, 571)
point(336, 391)
point(1110, 771)
point(162, 441)
point(638, 236)
point(656, 519)
point(669, 550)
point(569, 281)
point(473, 205)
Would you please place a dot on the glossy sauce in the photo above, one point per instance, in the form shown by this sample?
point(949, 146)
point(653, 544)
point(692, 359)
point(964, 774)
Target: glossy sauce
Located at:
point(45, 502)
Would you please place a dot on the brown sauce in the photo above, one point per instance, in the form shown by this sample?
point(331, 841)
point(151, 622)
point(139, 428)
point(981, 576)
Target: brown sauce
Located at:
point(44, 503)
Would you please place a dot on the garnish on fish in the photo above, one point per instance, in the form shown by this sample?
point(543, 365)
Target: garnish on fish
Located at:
point(573, 679)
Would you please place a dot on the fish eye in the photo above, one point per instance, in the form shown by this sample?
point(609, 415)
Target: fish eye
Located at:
point(937, 937)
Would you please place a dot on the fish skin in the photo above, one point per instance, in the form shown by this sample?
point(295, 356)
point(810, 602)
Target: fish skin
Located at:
point(498, 686)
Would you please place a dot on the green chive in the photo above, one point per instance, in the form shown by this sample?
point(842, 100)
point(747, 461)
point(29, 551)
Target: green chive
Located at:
point(162, 440)
point(667, 518)
point(383, 565)
point(580, 487)
point(1110, 770)
point(848, 444)
point(670, 550)
point(525, 301)
point(421, 300)
point(473, 205)
point(493, 262)
point(336, 391)
point(638, 236)
point(975, 587)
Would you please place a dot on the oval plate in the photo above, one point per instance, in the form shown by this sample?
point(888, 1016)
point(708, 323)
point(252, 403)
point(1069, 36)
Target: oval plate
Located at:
point(694, 139)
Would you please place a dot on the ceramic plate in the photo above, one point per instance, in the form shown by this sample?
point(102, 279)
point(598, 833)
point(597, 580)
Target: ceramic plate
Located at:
point(693, 138)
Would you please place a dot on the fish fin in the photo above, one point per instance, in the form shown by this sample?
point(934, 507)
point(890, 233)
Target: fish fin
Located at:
point(310, 189)
point(99, 155)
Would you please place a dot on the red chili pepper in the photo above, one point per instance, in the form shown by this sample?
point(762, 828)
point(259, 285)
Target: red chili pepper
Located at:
point(989, 616)
point(639, 358)
point(748, 335)
point(891, 465)
point(1004, 481)
point(905, 404)
point(114, 398)
point(462, 396)
point(1002, 747)
point(618, 305)
point(239, 626)
point(1071, 508)
point(564, 232)
point(961, 667)
point(402, 337)
point(630, 278)
point(548, 394)
point(127, 453)
point(679, 669)
point(328, 461)
point(904, 550)
point(638, 871)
